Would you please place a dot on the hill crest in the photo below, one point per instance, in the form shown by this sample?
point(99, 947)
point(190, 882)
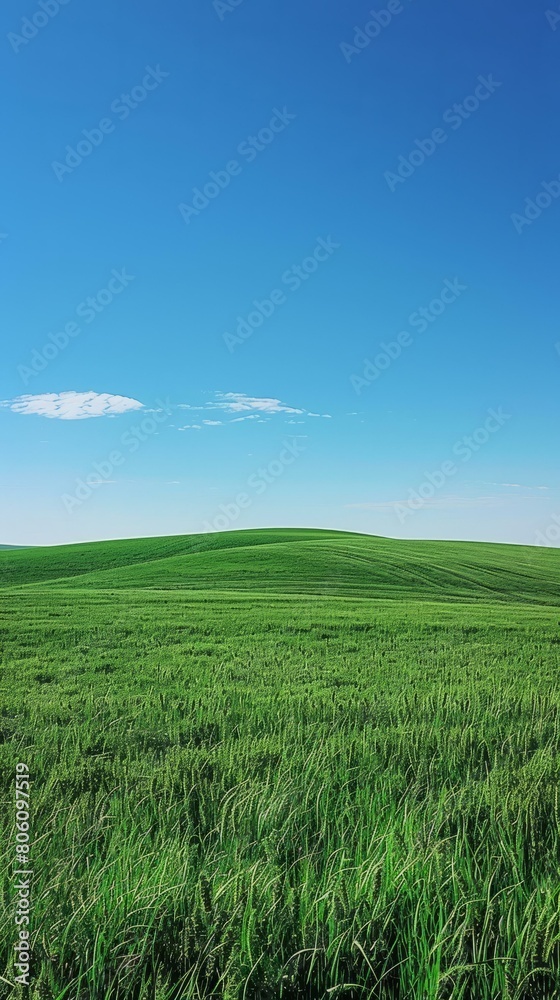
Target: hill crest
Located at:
point(296, 561)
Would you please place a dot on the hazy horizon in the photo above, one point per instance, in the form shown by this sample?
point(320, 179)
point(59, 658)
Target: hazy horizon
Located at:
point(279, 527)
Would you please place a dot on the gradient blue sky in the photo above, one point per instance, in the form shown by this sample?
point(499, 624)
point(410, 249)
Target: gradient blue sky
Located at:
point(159, 345)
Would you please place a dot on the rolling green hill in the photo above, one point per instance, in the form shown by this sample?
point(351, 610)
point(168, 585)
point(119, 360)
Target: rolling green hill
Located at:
point(292, 561)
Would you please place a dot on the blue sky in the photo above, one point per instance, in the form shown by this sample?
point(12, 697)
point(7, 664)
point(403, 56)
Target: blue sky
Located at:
point(272, 265)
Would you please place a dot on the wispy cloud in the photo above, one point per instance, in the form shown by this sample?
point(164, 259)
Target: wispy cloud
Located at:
point(444, 503)
point(237, 407)
point(520, 486)
point(72, 405)
point(511, 486)
point(239, 402)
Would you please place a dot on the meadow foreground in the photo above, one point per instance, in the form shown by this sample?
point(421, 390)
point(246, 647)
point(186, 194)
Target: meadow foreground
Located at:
point(297, 764)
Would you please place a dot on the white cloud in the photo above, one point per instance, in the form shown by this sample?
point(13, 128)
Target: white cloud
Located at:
point(237, 402)
point(190, 427)
point(73, 405)
point(213, 423)
point(251, 416)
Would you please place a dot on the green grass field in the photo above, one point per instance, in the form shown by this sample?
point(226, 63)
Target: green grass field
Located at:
point(284, 764)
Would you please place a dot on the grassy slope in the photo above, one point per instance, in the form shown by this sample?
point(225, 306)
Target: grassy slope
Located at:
point(63, 561)
point(299, 561)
